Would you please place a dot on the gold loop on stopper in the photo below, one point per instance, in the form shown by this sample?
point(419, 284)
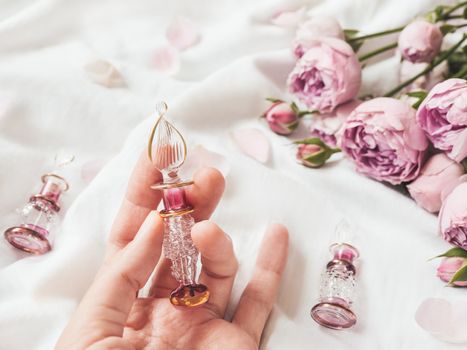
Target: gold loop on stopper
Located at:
point(46, 176)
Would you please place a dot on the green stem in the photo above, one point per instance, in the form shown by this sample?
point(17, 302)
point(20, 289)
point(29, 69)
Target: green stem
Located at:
point(377, 52)
point(460, 74)
point(432, 65)
point(375, 35)
point(454, 8)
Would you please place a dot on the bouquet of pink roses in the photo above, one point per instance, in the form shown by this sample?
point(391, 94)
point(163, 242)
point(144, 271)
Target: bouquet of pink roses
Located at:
point(415, 135)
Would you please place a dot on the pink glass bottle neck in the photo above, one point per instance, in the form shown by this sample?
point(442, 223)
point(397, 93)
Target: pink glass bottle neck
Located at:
point(174, 199)
point(345, 252)
point(51, 190)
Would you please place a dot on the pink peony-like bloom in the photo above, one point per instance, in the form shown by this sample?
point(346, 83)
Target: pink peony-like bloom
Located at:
point(443, 117)
point(327, 75)
point(453, 217)
point(448, 267)
point(383, 139)
point(281, 118)
point(315, 27)
point(327, 126)
point(420, 41)
point(437, 179)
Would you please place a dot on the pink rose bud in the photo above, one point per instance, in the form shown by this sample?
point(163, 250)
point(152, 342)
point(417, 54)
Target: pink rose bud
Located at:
point(437, 179)
point(282, 118)
point(322, 26)
point(443, 117)
point(420, 41)
point(453, 217)
point(383, 139)
point(313, 152)
point(448, 267)
point(327, 75)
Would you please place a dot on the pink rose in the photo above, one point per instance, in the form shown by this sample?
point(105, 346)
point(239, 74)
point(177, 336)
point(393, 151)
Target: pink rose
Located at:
point(437, 179)
point(383, 139)
point(313, 152)
point(282, 119)
point(453, 217)
point(448, 267)
point(327, 126)
point(327, 75)
point(443, 117)
point(420, 41)
point(323, 26)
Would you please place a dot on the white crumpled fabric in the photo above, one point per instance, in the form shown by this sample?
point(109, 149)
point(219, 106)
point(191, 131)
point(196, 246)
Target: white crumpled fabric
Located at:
point(48, 104)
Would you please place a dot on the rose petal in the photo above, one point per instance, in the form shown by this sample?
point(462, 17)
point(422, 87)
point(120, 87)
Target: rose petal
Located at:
point(288, 19)
point(166, 59)
point(104, 73)
point(443, 319)
point(200, 157)
point(183, 33)
point(90, 169)
point(253, 143)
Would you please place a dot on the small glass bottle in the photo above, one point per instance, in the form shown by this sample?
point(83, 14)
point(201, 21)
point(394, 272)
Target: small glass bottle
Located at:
point(337, 289)
point(38, 218)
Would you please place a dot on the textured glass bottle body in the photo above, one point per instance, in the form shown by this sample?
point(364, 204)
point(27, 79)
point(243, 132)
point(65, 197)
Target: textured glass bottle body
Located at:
point(179, 247)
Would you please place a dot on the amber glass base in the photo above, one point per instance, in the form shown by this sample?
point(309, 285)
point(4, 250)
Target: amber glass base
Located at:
point(190, 295)
point(27, 240)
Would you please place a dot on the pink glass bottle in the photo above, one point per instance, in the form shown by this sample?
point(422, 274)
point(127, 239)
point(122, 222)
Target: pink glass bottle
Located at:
point(337, 289)
point(167, 152)
point(38, 218)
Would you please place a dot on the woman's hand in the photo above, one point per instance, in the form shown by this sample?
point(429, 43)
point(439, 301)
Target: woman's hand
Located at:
point(111, 316)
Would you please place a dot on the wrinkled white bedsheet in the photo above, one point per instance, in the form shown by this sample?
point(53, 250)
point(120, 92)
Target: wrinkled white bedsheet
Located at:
point(49, 104)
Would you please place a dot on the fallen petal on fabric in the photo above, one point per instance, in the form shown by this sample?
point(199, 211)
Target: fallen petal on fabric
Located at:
point(166, 59)
point(104, 73)
point(445, 320)
point(253, 143)
point(200, 157)
point(183, 33)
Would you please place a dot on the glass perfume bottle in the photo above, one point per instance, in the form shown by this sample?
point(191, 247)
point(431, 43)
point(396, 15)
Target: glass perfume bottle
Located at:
point(167, 151)
point(39, 217)
point(337, 289)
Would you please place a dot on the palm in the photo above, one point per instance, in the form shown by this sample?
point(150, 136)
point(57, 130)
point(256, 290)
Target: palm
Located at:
point(155, 324)
point(111, 309)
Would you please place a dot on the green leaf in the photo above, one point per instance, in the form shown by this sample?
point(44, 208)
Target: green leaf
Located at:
point(418, 94)
point(455, 252)
point(273, 99)
point(460, 275)
point(318, 159)
point(464, 164)
point(356, 45)
point(350, 33)
point(464, 14)
point(447, 28)
point(312, 141)
point(295, 108)
point(303, 113)
point(292, 126)
point(439, 12)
